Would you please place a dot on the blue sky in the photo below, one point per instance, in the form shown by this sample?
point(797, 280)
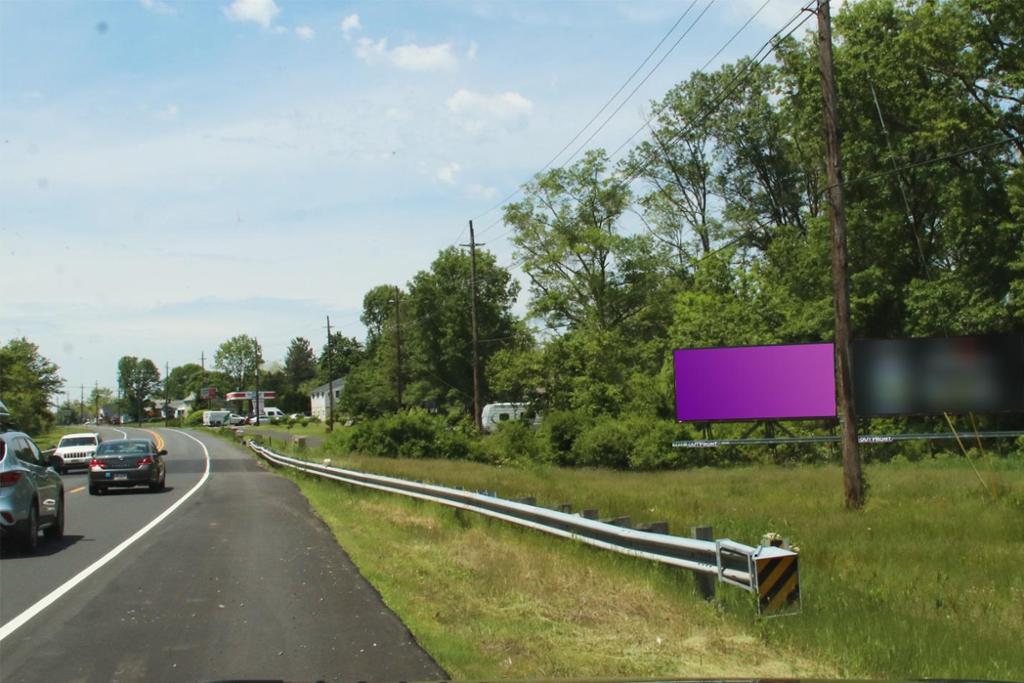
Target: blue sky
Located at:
point(173, 174)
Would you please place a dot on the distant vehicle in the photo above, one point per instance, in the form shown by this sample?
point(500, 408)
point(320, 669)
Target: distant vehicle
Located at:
point(75, 451)
point(236, 419)
point(493, 414)
point(273, 413)
point(31, 493)
point(128, 462)
point(215, 418)
point(298, 416)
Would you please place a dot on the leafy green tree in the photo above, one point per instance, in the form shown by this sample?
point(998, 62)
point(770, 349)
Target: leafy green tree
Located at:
point(184, 380)
point(239, 357)
point(583, 270)
point(28, 380)
point(439, 338)
point(138, 379)
point(378, 309)
point(299, 363)
point(344, 352)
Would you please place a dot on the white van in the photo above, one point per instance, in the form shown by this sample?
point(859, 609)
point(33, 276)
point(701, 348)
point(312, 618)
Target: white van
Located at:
point(493, 414)
point(273, 414)
point(215, 418)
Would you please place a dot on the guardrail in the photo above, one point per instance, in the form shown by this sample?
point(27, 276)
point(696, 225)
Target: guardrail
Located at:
point(770, 572)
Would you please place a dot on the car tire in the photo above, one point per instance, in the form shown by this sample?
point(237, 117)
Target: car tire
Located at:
point(55, 531)
point(30, 532)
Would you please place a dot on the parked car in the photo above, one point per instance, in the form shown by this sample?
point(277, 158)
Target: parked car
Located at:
point(31, 493)
point(128, 462)
point(234, 419)
point(75, 451)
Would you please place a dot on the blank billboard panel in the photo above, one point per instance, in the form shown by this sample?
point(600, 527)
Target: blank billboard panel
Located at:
point(937, 375)
point(786, 382)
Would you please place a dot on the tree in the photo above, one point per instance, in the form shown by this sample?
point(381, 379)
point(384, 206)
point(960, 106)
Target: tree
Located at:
point(439, 334)
point(138, 380)
point(299, 363)
point(344, 353)
point(378, 307)
point(239, 357)
point(184, 380)
point(582, 269)
point(28, 380)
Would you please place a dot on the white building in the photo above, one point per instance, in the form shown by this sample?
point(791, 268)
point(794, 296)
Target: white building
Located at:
point(320, 398)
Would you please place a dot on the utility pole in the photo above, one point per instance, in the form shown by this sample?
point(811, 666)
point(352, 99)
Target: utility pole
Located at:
point(398, 345)
point(853, 476)
point(81, 403)
point(472, 316)
point(96, 400)
point(167, 397)
point(202, 378)
point(257, 394)
point(330, 379)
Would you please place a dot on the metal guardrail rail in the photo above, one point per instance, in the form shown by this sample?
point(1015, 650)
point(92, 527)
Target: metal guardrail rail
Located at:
point(732, 563)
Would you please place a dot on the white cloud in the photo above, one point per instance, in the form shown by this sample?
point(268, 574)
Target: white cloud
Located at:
point(482, 191)
point(158, 6)
point(349, 25)
point(409, 57)
point(446, 174)
point(476, 112)
point(261, 12)
point(471, 52)
point(168, 113)
point(305, 32)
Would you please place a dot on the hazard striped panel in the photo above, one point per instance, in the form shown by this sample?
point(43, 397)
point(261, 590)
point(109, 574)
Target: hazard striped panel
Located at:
point(778, 583)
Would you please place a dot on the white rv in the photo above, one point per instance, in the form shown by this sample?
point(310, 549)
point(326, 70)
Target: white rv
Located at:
point(493, 414)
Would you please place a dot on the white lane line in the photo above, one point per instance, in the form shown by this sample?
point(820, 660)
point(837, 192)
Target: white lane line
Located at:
point(20, 620)
point(124, 435)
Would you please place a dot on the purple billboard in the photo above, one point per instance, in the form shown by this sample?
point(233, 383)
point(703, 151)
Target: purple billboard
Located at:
point(787, 382)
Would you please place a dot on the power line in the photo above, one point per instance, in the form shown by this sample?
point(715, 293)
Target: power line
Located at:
point(607, 104)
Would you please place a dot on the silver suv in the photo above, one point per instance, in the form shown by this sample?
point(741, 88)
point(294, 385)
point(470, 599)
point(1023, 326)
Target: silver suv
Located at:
point(31, 493)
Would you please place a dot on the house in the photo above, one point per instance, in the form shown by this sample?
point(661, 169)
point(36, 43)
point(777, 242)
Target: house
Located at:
point(320, 398)
point(175, 409)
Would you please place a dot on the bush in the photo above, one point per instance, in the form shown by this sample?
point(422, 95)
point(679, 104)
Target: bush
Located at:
point(557, 435)
point(652, 449)
point(607, 444)
point(413, 434)
point(194, 419)
point(513, 442)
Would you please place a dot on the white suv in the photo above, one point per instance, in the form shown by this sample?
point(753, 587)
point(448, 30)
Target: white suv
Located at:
point(76, 450)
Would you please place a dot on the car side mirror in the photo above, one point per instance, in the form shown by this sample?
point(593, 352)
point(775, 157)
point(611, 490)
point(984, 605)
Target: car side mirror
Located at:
point(54, 462)
point(162, 451)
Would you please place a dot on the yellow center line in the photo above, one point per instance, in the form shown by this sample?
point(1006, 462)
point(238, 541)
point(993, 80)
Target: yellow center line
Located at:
point(159, 439)
point(80, 488)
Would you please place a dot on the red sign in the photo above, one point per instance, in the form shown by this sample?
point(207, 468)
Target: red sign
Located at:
point(248, 395)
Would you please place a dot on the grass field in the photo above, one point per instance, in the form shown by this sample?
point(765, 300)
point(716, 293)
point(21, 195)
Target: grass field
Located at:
point(48, 439)
point(926, 581)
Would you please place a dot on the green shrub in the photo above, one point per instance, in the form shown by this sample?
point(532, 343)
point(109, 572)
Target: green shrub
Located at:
point(194, 419)
point(514, 441)
point(652, 449)
point(557, 435)
point(607, 444)
point(412, 434)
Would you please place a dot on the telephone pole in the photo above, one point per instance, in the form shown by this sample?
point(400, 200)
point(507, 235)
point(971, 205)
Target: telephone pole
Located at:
point(96, 400)
point(853, 476)
point(202, 378)
point(81, 403)
point(398, 345)
point(330, 379)
point(472, 316)
point(256, 396)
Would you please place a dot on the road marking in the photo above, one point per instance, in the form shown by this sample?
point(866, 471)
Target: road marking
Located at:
point(23, 618)
point(160, 439)
point(80, 488)
point(124, 435)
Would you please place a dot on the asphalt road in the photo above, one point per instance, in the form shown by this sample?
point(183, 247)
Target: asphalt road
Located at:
point(241, 580)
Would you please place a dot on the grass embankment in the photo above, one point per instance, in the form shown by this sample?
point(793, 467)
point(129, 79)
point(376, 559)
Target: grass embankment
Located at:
point(48, 439)
point(311, 429)
point(925, 582)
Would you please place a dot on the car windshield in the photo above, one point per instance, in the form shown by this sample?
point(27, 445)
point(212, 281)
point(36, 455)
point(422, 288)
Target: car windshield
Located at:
point(125, 448)
point(78, 441)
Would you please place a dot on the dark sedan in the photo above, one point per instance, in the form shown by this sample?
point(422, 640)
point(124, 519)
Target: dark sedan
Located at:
point(129, 462)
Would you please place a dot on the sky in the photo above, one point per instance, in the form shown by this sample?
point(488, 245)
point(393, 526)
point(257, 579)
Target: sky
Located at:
point(174, 174)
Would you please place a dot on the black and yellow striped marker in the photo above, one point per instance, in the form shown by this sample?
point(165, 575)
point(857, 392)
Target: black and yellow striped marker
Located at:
point(778, 582)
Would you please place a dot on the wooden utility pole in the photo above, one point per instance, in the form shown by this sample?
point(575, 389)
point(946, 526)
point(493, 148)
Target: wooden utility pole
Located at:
point(202, 379)
point(167, 398)
point(472, 316)
point(853, 476)
point(330, 379)
point(398, 345)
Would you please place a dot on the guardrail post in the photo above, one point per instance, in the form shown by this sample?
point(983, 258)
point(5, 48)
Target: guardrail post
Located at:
point(589, 513)
point(705, 582)
point(564, 507)
point(300, 442)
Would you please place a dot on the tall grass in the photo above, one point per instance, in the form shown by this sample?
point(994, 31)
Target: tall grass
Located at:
point(926, 581)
